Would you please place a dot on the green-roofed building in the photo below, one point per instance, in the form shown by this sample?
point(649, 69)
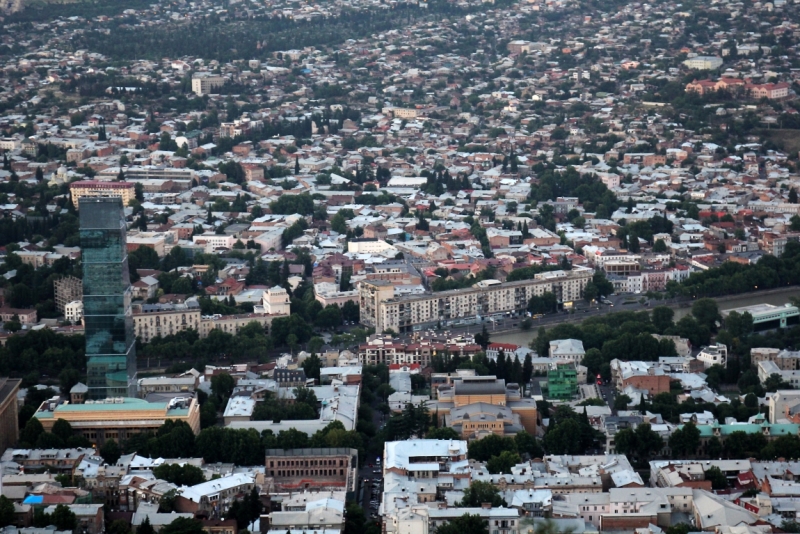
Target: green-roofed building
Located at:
point(118, 418)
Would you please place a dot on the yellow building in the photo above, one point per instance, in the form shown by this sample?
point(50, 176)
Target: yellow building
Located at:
point(118, 418)
point(96, 188)
point(476, 406)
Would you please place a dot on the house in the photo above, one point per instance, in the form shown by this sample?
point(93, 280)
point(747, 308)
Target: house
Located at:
point(570, 350)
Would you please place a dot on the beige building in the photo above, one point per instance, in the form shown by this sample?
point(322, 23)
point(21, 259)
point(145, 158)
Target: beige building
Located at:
point(9, 430)
point(786, 360)
point(475, 395)
point(404, 113)
point(153, 320)
point(94, 188)
point(276, 301)
point(382, 310)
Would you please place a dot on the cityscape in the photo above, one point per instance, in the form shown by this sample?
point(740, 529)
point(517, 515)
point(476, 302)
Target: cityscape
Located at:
point(399, 267)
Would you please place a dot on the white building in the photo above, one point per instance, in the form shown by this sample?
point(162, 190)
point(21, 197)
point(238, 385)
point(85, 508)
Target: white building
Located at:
point(716, 354)
point(570, 350)
point(213, 242)
point(205, 84)
point(703, 62)
point(73, 311)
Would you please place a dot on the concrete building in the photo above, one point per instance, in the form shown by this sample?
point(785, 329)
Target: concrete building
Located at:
point(382, 310)
point(312, 469)
point(782, 403)
point(95, 188)
point(73, 312)
point(204, 83)
point(716, 354)
point(9, 424)
point(67, 289)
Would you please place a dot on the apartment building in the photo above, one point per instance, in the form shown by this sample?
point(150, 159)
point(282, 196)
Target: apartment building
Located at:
point(154, 320)
point(786, 360)
point(312, 469)
point(488, 298)
point(95, 188)
point(386, 350)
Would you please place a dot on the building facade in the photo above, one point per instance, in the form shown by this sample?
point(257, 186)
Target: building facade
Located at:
point(312, 469)
point(9, 425)
point(108, 321)
point(67, 289)
point(382, 310)
point(118, 418)
point(96, 188)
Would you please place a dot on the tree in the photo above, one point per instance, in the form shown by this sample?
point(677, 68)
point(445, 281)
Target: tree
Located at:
point(312, 366)
point(739, 324)
point(63, 518)
point(442, 433)
point(621, 402)
point(180, 475)
point(706, 312)
point(662, 317)
point(714, 447)
point(561, 438)
point(659, 246)
point(30, 434)
point(792, 196)
point(482, 338)
point(590, 292)
point(717, 478)
point(503, 463)
point(339, 223)
point(480, 492)
point(110, 452)
point(527, 371)
point(6, 511)
point(685, 441)
point(63, 429)
point(466, 524)
point(222, 385)
point(67, 379)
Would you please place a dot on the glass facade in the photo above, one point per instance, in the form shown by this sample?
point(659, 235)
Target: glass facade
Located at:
point(108, 319)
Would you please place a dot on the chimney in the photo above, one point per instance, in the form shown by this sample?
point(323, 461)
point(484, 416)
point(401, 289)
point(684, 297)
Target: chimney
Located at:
point(486, 505)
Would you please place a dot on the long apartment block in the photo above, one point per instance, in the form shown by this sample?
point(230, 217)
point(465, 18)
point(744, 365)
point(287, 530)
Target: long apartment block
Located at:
point(381, 309)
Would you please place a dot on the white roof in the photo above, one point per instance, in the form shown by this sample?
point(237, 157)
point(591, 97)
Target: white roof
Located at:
point(212, 487)
point(399, 453)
